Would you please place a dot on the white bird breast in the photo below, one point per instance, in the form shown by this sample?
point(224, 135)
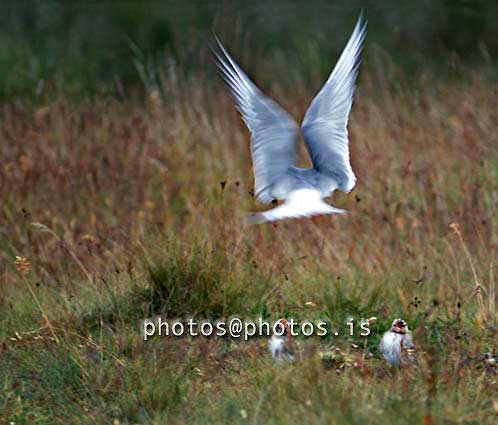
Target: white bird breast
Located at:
point(276, 346)
point(390, 345)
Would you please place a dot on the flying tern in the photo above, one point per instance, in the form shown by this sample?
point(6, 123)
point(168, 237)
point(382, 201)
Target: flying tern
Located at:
point(274, 136)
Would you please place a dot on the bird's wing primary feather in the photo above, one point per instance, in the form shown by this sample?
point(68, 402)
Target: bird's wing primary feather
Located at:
point(325, 123)
point(273, 131)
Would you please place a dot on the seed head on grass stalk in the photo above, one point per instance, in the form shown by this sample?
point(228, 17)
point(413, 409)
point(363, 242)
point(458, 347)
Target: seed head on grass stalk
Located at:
point(23, 267)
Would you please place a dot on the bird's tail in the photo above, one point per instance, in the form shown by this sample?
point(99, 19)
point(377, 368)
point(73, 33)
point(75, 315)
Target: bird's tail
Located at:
point(292, 210)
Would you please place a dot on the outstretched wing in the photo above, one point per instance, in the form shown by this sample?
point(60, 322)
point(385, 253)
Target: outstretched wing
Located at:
point(325, 123)
point(274, 132)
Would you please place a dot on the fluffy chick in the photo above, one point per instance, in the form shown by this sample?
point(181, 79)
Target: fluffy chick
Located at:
point(393, 342)
point(279, 344)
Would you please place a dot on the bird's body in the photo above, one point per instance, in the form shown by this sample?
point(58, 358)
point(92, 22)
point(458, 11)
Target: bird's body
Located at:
point(278, 349)
point(279, 343)
point(274, 136)
point(393, 342)
point(300, 203)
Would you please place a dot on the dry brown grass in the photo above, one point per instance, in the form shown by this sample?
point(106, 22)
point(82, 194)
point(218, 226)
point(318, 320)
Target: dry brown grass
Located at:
point(120, 185)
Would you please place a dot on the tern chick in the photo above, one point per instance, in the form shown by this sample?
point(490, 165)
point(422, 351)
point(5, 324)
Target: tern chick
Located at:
point(279, 343)
point(394, 341)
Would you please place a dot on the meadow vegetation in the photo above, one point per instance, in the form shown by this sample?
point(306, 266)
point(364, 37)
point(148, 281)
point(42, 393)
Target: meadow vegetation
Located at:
point(124, 207)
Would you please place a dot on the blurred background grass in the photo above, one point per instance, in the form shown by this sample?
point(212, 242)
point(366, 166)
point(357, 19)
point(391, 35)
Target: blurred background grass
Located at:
point(95, 47)
point(125, 175)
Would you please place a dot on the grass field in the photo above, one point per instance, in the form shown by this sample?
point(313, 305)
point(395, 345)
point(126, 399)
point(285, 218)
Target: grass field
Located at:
point(120, 209)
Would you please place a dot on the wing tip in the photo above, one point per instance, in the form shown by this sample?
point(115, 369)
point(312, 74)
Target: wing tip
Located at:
point(362, 22)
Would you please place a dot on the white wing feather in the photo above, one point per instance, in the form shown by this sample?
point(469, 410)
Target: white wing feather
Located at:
point(273, 131)
point(325, 123)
